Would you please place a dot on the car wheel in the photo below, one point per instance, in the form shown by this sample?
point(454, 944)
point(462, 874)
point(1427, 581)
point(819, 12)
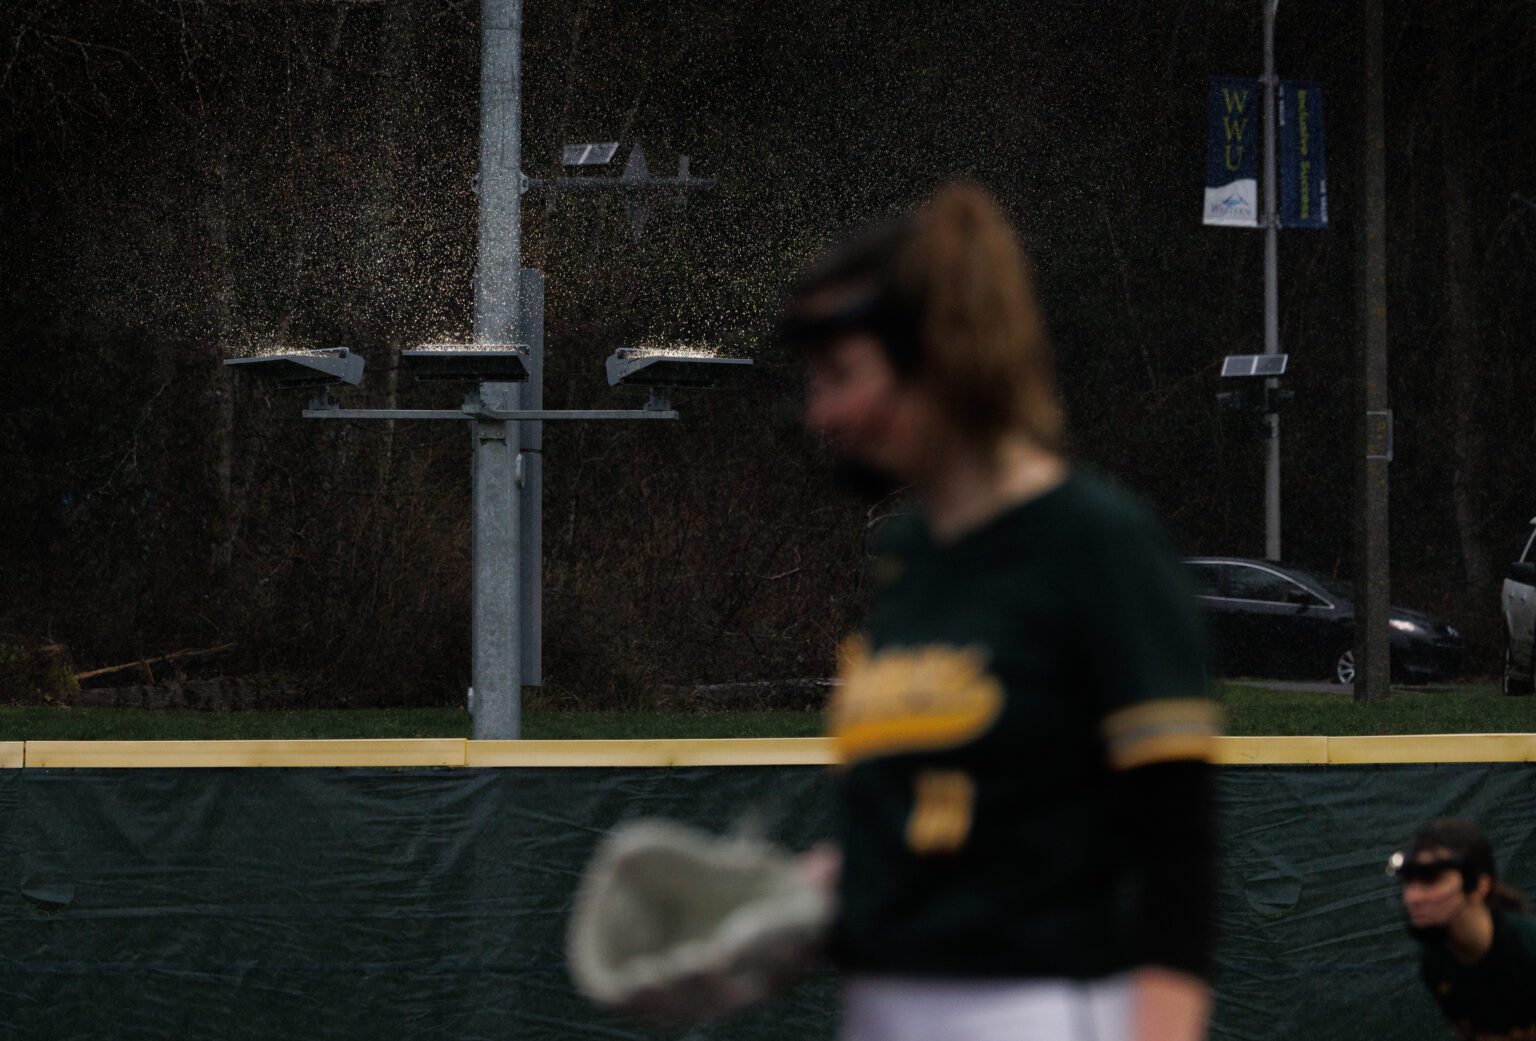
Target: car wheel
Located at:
point(1514, 686)
point(1344, 667)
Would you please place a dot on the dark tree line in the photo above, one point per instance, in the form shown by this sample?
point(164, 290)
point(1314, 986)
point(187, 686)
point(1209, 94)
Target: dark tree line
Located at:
point(184, 179)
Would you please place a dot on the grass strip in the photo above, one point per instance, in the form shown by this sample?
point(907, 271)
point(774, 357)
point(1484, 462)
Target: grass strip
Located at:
point(1252, 709)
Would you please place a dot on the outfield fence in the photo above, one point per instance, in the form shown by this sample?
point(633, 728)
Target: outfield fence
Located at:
point(418, 889)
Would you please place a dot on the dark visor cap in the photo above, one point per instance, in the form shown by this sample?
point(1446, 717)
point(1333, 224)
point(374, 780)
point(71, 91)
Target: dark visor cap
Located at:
point(1425, 871)
point(863, 315)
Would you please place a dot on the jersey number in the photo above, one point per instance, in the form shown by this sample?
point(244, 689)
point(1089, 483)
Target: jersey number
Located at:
point(941, 811)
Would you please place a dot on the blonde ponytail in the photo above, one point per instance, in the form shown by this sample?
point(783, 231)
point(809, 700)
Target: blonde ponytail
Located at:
point(983, 342)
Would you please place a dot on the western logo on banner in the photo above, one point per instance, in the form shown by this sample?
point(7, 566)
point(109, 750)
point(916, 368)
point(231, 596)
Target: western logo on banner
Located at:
point(1232, 153)
point(1303, 173)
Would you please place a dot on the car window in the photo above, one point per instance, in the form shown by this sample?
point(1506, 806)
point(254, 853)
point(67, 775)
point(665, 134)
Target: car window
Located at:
point(1252, 583)
point(1337, 586)
point(1300, 594)
point(1204, 579)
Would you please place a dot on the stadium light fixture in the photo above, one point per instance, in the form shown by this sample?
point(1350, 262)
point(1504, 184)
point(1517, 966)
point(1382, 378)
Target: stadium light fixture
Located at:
point(321, 368)
point(662, 369)
point(645, 367)
point(467, 363)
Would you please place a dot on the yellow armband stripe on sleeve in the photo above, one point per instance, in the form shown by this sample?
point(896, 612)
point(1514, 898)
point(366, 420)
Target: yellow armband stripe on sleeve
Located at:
point(1161, 730)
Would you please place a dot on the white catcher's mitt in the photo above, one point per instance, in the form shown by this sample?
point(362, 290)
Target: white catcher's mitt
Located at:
point(682, 926)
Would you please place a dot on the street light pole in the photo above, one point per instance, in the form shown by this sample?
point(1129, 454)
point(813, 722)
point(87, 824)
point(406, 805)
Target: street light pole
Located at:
point(1373, 578)
point(1271, 290)
point(506, 415)
point(497, 647)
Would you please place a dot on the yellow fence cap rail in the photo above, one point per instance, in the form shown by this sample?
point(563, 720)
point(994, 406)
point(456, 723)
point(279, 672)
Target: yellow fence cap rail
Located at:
point(317, 753)
point(1256, 751)
point(789, 751)
point(1433, 748)
point(785, 751)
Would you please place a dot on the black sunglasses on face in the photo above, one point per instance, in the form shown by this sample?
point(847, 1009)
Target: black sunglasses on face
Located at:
point(1426, 871)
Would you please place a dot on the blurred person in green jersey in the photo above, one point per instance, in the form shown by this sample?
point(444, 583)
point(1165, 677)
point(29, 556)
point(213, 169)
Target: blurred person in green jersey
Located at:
point(1025, 840)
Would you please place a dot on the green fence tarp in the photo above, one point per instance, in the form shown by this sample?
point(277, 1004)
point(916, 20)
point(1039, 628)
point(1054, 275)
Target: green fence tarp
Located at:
point(422, 904)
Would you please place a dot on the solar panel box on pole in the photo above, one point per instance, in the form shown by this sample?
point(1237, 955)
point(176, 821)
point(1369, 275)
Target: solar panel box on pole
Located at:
point(1264, 366)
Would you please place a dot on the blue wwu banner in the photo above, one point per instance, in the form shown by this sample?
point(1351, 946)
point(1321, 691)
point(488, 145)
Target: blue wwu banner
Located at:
point(1303, 172)
point(1232, 153)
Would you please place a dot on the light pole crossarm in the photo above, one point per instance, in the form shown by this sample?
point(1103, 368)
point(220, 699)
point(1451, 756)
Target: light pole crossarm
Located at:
point(581, 413)
point(386, 413)
point(488, 413)
point(614, 183)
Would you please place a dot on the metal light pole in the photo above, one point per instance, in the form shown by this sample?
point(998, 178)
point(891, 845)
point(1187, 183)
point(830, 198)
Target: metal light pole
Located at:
point(531, 458)
point(1271, 289)
point(1373, 643)
point(497, 643)
point(505, 418)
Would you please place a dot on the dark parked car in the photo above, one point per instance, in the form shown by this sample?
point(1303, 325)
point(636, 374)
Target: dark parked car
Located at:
point(1519, 595)
point(1272, 621)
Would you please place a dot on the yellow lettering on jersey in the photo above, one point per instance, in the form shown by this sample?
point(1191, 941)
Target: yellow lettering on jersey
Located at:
point(942, 807)
point(911, 699)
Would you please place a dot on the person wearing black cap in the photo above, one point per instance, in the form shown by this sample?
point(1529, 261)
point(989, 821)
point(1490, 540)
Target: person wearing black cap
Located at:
point(1478, 946)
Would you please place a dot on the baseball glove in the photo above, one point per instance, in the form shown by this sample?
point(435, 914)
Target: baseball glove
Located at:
point(677, 925)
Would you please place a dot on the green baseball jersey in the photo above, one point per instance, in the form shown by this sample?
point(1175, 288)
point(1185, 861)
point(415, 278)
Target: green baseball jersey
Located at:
point(999, 684)
point(1495, 999)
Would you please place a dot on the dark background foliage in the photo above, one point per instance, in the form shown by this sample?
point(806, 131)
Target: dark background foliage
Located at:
point(185, 179)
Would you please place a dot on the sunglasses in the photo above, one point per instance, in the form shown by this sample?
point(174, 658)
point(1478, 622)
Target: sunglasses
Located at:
point(1426, 871)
